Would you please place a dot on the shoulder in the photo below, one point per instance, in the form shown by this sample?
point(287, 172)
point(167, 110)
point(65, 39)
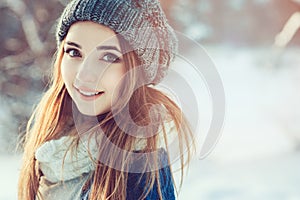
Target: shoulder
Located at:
point(137, 183)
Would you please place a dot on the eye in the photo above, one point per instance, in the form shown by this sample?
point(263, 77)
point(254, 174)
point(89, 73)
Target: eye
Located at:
point(111, 58)
point(73, 52)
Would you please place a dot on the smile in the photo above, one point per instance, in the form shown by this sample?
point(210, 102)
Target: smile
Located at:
point(88, 94)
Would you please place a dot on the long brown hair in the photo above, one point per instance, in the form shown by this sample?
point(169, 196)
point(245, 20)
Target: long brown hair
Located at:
point(54, 110)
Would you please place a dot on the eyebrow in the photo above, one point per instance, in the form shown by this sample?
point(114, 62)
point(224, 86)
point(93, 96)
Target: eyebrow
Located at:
point(98, 48)
point(108, 48)
point(74, 44)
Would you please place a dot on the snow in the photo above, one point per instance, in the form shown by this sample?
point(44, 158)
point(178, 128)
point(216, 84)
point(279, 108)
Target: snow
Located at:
point(262, 103)
point(256, 156)
point(9, 170)
point(276, 178)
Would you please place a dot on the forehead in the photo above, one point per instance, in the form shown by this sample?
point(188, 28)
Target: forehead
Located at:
point(89, 33)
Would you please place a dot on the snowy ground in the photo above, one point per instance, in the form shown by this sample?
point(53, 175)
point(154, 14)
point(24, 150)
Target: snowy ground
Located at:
point(256, 157)
point(273, 178)
point(9, 170)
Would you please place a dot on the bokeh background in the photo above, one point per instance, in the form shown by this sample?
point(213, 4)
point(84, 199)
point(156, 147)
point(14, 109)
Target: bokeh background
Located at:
point(255, 45)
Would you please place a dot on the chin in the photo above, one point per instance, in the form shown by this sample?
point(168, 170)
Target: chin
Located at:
point(88, 111)
point(91, 110)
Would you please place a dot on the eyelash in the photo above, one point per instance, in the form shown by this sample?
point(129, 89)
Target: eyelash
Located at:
point(116, 58)
point(68, 51)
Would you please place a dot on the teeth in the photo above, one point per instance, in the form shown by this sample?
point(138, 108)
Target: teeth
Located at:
point(89, 93)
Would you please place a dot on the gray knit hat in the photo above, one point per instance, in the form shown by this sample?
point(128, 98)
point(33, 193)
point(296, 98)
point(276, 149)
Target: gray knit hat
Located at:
point(141, 22)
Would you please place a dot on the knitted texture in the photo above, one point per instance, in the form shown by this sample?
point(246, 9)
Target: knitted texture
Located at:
point(141, 22)
point(59, 163)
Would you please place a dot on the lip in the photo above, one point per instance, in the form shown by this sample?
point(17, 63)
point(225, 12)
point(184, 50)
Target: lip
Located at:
point(84, 91)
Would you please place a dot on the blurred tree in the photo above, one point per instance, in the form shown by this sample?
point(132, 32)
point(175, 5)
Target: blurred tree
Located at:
point(25, 56)
point(240, 22)
point(290, 30)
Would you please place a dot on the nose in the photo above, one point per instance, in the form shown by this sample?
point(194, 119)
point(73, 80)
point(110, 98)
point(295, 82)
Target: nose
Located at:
point(87, 71)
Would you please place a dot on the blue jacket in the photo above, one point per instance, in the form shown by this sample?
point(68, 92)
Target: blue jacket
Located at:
point(135, 191)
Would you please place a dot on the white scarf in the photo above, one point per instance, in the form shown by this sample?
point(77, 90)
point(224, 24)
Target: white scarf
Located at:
point(58, 163)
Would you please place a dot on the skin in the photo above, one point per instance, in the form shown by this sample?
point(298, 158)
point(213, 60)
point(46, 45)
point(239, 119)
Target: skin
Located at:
point(92, 67)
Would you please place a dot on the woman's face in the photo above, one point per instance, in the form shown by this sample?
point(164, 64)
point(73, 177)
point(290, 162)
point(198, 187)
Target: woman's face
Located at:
point(92, 66)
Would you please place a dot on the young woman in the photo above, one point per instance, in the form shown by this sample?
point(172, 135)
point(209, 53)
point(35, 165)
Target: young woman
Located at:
point(102, 129)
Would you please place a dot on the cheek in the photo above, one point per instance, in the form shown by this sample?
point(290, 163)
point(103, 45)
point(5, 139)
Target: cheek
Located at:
point(68, 72)
point(112, 77)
